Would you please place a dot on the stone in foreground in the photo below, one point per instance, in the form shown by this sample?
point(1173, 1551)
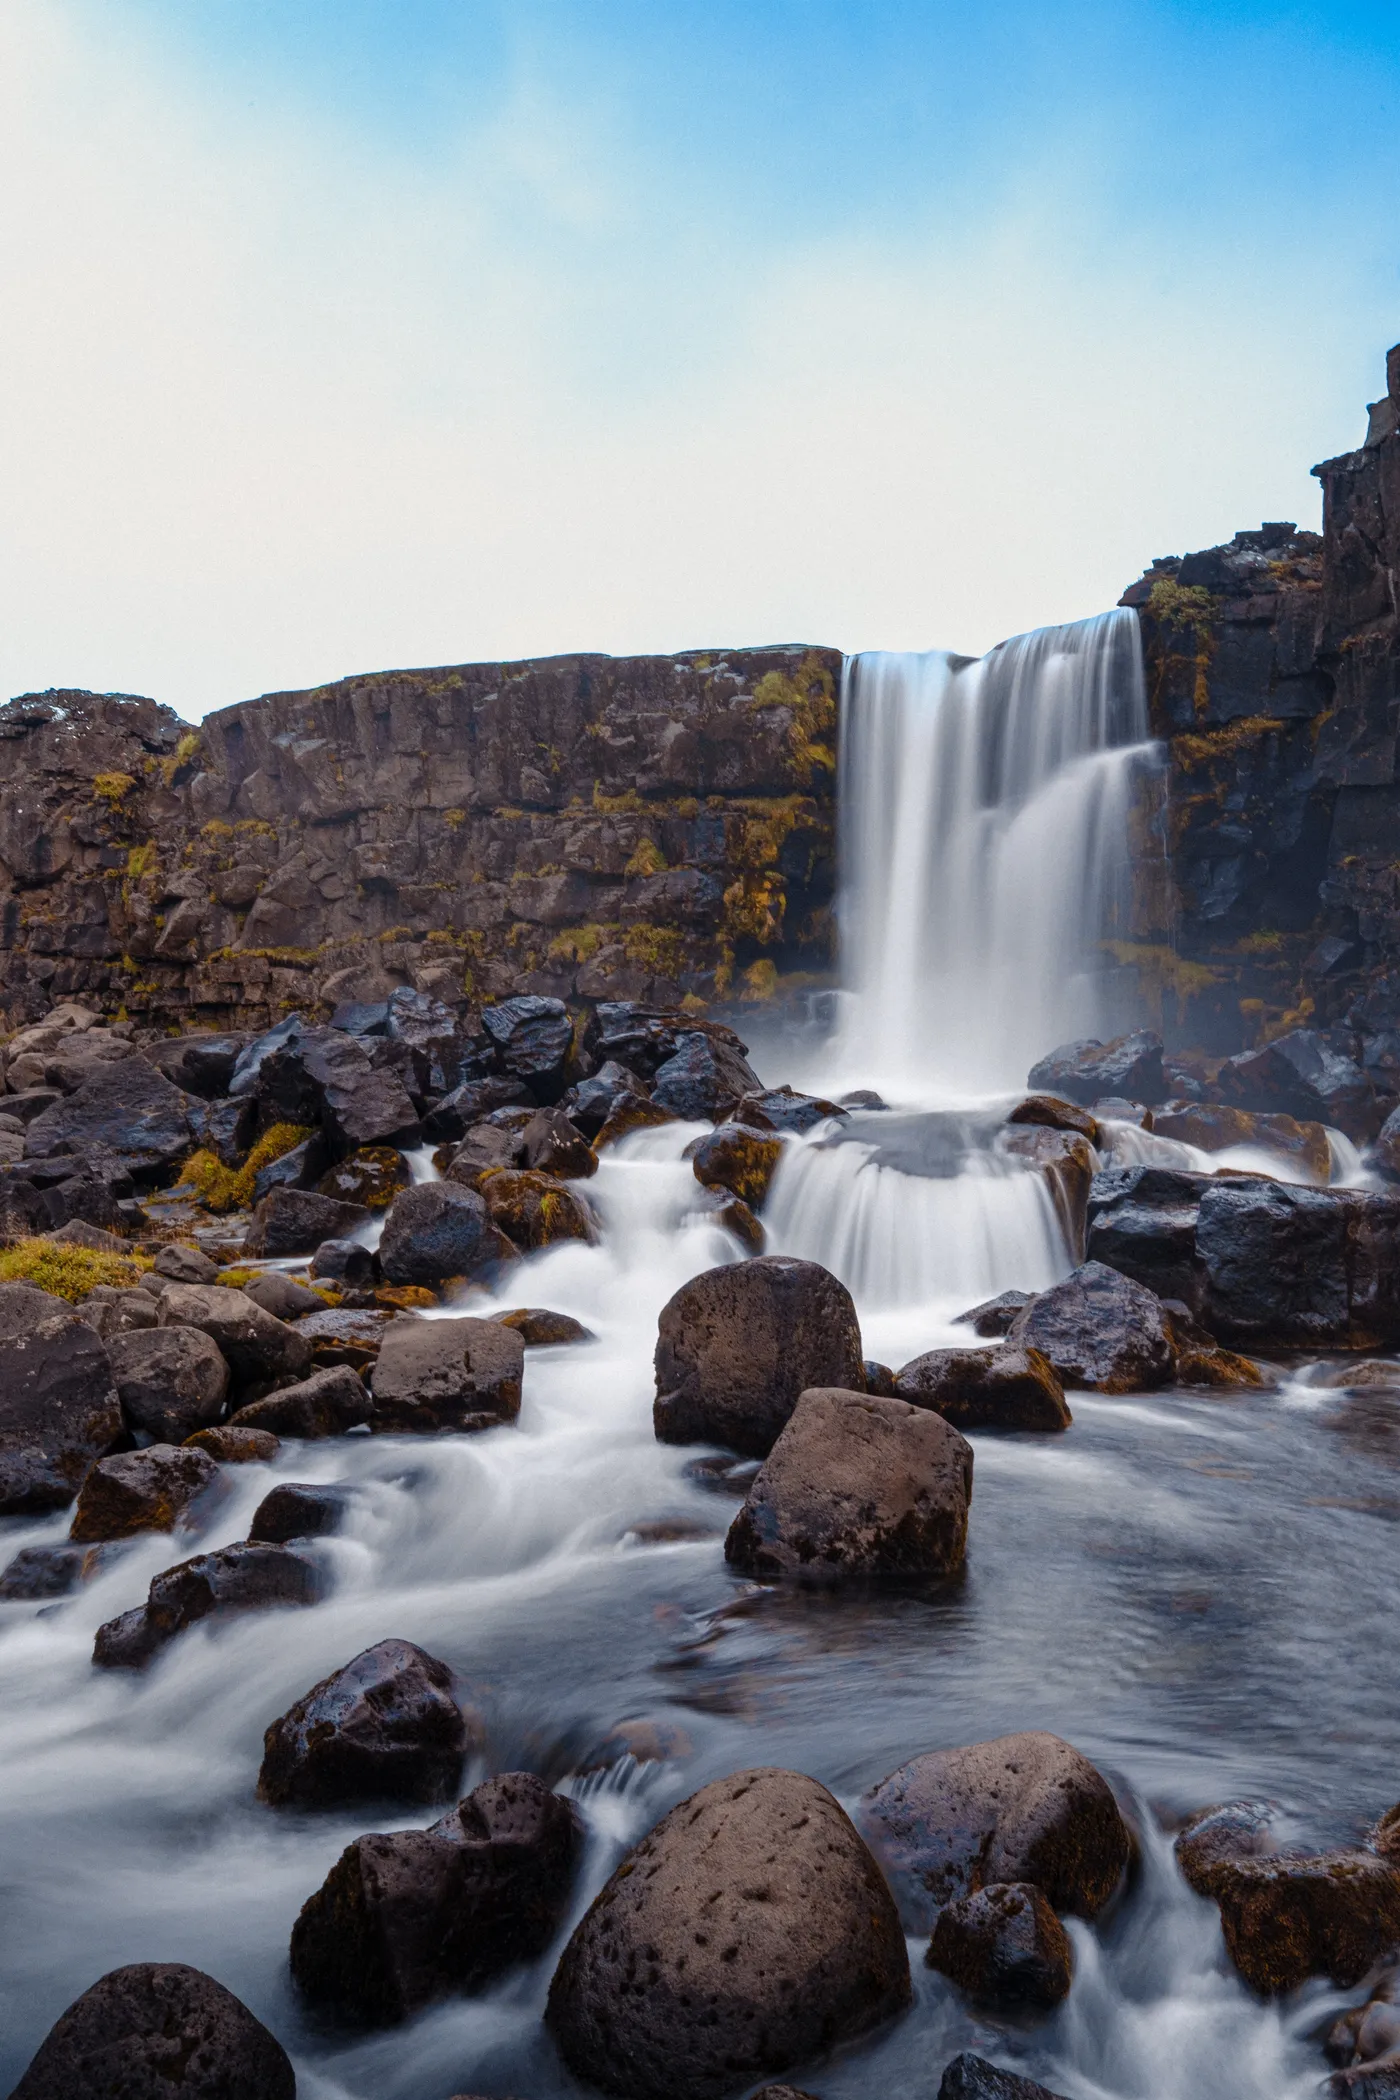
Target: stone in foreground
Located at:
point(1022, 1807)
point(750, 1930)
point(738, 1344)
point(971, 2077)
point(1099, 1329)
point(252, 1342)
point(1007, 1388)
point(154, 2031)
point(856, 1487)
point(1003, 1945)
point(385, 1728)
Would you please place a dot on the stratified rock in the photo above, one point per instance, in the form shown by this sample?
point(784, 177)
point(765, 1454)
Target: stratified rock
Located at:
point(856, 1487)
point(780, 1108)
point(183, 1265)
point(994, 1316)
point(555, 1145)
point(1129, 1067)
point(170, 1381)
point(153, 2030)
point(704, 1080)
point(137, 1491)
point(1100, 1330)
point(282, 1296)
point(539, 1328)
point(298, 1509)
point(437, 1231)
point(371, 1177)
point(1054, 1114)
point(739, 1159)
point(295, 1221)
point(971, 2077)
point(738, 1344)
point(254, 1345)
point(48, 1571)
point(324, 1076)
point(326, 1404)
point(58, 1412)
point(1006, 1388)
point(455, 1374)
point(532, 1038)
point(1003, 1945)
point(1018, 1808)
point(235, 1447)
point(1287, 1916)
point(411, 1916)
point(126, 1109)
point(387, 1727)
point(1302, 1075)
point(763, 1930)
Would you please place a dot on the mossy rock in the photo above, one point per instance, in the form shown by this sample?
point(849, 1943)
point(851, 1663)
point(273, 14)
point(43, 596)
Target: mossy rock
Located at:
point(534, 1210)
point(373, 1176)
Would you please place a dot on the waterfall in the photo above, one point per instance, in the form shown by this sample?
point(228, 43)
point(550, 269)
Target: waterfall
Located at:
point(984, 842)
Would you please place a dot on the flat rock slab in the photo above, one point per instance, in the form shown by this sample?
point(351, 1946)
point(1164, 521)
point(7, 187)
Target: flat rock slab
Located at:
point(453, 1374)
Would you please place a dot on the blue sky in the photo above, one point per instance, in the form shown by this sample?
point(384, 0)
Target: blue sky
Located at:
point(405, 331)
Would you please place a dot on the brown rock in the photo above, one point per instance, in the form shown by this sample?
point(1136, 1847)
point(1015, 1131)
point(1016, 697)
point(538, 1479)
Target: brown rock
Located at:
point(170, 1381)
point(235, 1447)
point(137, 1491)
point(326, 1404)
point(1287, 1917)
point(554, 1145)
point(455, 1374)
point(1234, 1830)
point(252, 1342)
point(1214, 1127)
point(738, 1159)
point(1003, 1945)
point(738, 1344)
point(762, 1931)
point(534, 1210)
point(1067, 1162)
point(484, 1148)
point(145, 2032)
point(387, 1727)
point(540, 1329)
point(628, 1115)
point(1055, 1114)
point(1006, 1388)
point(1018, 1808)
point(994, 1316)
point(856, 1487)
point(1099, 1329)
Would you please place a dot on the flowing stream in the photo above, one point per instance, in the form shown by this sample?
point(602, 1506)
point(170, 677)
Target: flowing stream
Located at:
point(1197, 1592)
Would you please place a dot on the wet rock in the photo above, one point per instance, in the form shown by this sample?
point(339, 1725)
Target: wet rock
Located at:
point(185, 1265)
point(1005, 1388)
point(739, 1159)
point(629, 1115)
point(244, 1577)
point(436, 1232)
point(297, 1509)
point(1302, 1075)
point(533, 1038)
point(387, 1727)
point(323, 1076)
point(541, 1329)
point(779, 1108)
point(763, 1932)
point(346, 1334)
point(1197, 1359)
point(1384, 1152)
point(1212, 1126)
point(880, 1380)
point(294, 1221)
point(326, 1404)
point(535, 1210)
point(646, 1740)
point(281, 1296)
point(856, 1487)
point(253, 1344)
point(406, 1917)
point(1130, 1067)
point(1099, 1330)
point(640, 1038)
point(41, 1572)
point(733, 1216)
point(170, 1380)
point(58, 1413)
point(1019, 1808)
point(483, 1150)
point(130, 1642)
point(589, 1104)
point(738, 1344)
point(1066, 1161)
point(1154, 1245)
point(456, 1374)
point(236, 1447)
point(1288, 1916)
point(1054, 1114)
point(1003, 1945)
point(1233, 1830)
point(138, 1491)
point(554, 1145)
point(126, 1109)
point(971, 2077)
point(994, 1316)
point(347, 1263)
point(1368, 2038)
point(1299, 1267)
point(153, 2029)
point(705, 1079)
point(370, 1178)
point(23, 1307)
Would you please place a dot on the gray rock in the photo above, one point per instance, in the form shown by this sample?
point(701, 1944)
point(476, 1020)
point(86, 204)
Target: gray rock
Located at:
point(136, 1491)
point(326, 1404)
point(185, 1265)
point(386, 1727)
point(170, 1381)
point(254, 1344)
point(1100, 1330)
point(127, 1109)
point(437, 1231)
point(1005, 1388)
point(58, 1412)
point(282, 1297)
point(294, 1221)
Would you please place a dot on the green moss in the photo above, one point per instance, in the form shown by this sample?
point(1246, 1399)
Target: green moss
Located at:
point(112, 788)
point(655, 948)
point(69, 1271)
point(1199, 747)
point(224, 1188)
point(647, 860)
point(184, 751)
point(810, 698)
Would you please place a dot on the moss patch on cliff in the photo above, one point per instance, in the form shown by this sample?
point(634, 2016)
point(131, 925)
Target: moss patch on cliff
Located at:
point(224, 1188)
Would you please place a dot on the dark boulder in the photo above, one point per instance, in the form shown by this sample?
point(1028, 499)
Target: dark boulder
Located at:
point(1003, 1945)
point(180, 1264)
point(1053, 1114)
point(739, 1159)
point(239, 1578)
point(455, 1374)
point(153, 2030)
point(589, 1104)
point(326, 1404)
point(1005, 1388)
point(23, 1306)
point(704, 1080)
point(41, 1572)
point(282, 1296)
point(856, 1487)
point(252, 1057)
point(294, 1221)
point(200, 1064)
point(1018, 1808)
point(539, 1328)
point(1212, 1126)
point(254, 1344)
point(994, 1316)
point(348, 1263)
point(135, 1491)
point(453, 1116)
point(1366, 2040)
point(1065, 1161)
point(1153, 1245)
point(1099, 1330)
point(738, 1344)
point(535, 1210)
point(532, 1037)
point(170, 1380)
point(1289, 1916)
point(436, 1232)
point(485, 1148)
point(126, 1109)
point(630, 1115)
point(1299, 1267)
point(640, 1038)
point(297, 1509)
point(880, 1380)
point(406, 1917)
point(763, 1931)
point(58, 1413)
point(301, 1168)
point(235, 1447)
point(387, 1727)
point(1303, 1075)
point(129, 1642)
point(779, 1108)
point(371, 1177)
point(323, 1076)
point(555, 1145)
point(971, 2077)
point(1129, 1067)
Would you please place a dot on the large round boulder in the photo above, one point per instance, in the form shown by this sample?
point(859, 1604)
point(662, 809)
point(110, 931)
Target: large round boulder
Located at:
point(739, 1159)
point(170, 1381)
point(1099, 1329)
point(1018, 1808)
point(387, 1727)
point(1289, 1916)
point(153, 2030)
point(436, 1231)
point(856, 1487)
point(738, 1344)
point(534, 1210)
point(750, 1930)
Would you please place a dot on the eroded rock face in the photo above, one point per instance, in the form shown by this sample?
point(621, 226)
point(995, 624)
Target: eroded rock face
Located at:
point(1006, 1388)
point(1020, 1808)
point(856, 1487)
point(737, 1345)
point(433, 1375)
point(1098, 1329)
point(155, 2028)
point(765, 1934)
point(58, 1413)
point(387, 1727)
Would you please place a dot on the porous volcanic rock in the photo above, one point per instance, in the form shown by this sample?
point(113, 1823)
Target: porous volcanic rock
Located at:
point(1232, 1830)
point(370, 1177)
point(539, 1328)
point(137, 1491)
point(170, 1381)
point(326, 1404)
point(58, 1412)
point(1003, 1945)
point(763, 1930)
point(1098, 1329)
point(455, 1374)
point(739, 1159)
point(856, 1487)
point(1005, 1388)
point(153, 2029)
point(534, 1210)
point(239, 1578)
point(738, 1344)
point(386, 1727)
point(555, 1145)
point(325, 1077)
point(971, 2077)
point(1289, 1916)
